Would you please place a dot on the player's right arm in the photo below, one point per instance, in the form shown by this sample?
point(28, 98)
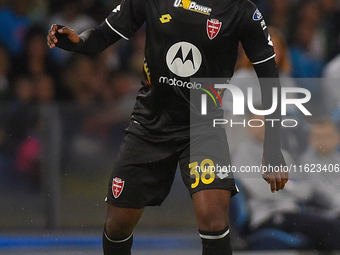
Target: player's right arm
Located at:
point(52, 39)
point(91, 41)
point(122, 22)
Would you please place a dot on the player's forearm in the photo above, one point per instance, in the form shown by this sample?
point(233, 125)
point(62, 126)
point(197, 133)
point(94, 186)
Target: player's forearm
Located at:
point(92, 41)
point(272, 141)
point(269, 79)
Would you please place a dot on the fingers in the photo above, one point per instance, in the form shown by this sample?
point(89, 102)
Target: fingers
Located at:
point(274, 183)
point(65, 30)
point(72, 36)
point(285, 175)
point(280, 183)
point(51, 38)
point(276, 180)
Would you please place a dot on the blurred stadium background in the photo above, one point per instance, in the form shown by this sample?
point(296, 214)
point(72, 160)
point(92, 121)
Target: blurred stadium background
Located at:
point(63, 115)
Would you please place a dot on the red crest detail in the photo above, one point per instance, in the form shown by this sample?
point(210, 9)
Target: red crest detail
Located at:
point(117, 186)
point(213, 27)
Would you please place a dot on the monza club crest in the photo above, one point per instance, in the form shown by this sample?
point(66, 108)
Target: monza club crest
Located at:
point(213, 27)
point(117, 187)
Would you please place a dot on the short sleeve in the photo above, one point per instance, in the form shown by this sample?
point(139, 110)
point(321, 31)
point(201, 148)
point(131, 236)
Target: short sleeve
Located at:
point(254, 35)
point(127, 17)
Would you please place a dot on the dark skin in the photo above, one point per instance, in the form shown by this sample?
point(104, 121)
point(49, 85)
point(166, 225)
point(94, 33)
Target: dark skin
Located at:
point(120, 222)
point(52, 39)
point(277, 181)
point(214, 216)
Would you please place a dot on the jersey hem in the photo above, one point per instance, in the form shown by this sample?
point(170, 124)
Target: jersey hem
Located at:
point(230, 187)
point(127, 205)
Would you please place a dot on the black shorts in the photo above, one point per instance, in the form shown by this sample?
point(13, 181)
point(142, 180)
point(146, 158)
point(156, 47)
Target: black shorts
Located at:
point(145, 168)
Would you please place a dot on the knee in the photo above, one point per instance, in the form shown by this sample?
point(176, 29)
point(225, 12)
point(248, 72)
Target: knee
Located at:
point(213, 220)
point(212, 224)
point(116, 229)
point(212, 210)
point(120, 222)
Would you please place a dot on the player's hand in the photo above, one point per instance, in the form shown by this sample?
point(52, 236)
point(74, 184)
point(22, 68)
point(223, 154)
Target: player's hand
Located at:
point(52, 39)
point(276, 179)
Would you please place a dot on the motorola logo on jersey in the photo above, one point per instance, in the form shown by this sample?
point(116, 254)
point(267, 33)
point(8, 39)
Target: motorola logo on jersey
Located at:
point(179, 83)
point(183, 59)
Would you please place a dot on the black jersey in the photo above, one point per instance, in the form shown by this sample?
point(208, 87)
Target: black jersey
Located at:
point(187, 39)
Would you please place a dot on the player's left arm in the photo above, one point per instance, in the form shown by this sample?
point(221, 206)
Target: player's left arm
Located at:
point(259, 48)
point(272, 155)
